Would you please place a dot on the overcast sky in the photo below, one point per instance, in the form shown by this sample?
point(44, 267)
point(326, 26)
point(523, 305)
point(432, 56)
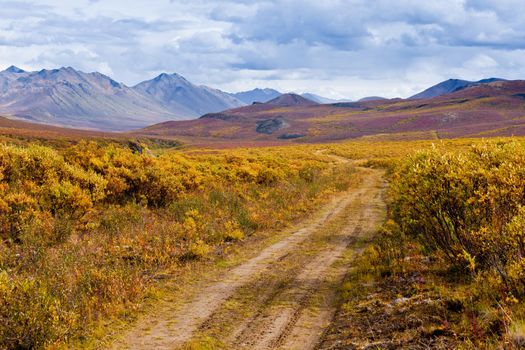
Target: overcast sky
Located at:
point(350, 49)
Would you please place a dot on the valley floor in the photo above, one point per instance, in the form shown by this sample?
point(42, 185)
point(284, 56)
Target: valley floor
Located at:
point(283, 297)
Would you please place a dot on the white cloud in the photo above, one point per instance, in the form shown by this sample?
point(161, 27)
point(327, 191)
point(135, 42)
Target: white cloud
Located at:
point(481, 61)
point(340, 48)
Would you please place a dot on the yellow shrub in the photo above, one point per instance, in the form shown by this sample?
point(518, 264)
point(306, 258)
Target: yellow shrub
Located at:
point(469, 206)
point(85, 230)
point(232, 231)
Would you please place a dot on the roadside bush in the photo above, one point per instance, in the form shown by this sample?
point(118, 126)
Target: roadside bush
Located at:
point(31, 316)
point(467, 206)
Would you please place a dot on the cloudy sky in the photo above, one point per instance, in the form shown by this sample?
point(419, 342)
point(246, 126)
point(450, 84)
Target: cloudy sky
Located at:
point(350, 48)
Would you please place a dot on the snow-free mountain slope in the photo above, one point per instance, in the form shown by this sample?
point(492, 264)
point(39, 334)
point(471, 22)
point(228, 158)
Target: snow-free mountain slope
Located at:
point(449, 86)
point(256, 95)
point(488, 109)
point(322, 99)
point(371, 98)
point(72, 98)
point(287, 100)
point(67, 97)
point(179, 96)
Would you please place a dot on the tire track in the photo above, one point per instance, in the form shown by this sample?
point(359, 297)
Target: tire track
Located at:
point(290, 327)
point(171, 329)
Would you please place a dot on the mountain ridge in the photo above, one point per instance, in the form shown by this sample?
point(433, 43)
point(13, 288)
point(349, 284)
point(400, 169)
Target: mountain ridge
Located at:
point(177, 94)
point(449, 86)
point(72, 98)
point(261, 95)
point(323, 100)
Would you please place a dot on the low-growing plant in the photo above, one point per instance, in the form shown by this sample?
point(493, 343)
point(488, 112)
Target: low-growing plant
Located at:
point(466, 205)
point(456, 231)
point(87, 229)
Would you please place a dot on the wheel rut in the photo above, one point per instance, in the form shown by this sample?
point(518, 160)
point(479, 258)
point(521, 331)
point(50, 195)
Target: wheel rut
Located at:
point(282, 298)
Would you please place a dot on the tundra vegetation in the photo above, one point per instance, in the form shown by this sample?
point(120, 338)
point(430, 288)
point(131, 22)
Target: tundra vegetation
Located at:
point(447, 269)
point(88, 229)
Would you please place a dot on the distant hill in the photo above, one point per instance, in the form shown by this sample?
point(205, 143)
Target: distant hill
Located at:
point(494, 108)
point(256, 95)
point(449, 86)
point(371, 98)
point(318, 98)
point(265, 95)
point(287, 100)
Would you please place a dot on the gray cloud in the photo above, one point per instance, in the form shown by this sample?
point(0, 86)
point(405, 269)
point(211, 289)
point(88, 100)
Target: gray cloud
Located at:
point(342, 48)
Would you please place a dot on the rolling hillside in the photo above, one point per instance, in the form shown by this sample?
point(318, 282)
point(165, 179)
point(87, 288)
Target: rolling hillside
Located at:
point(451, 85)
point(491, 109)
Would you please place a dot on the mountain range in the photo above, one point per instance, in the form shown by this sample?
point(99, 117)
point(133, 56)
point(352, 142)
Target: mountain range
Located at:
point(479, 110)
point(71, 98)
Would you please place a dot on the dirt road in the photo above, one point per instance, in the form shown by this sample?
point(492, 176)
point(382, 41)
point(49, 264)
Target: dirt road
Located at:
point(281, 298)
